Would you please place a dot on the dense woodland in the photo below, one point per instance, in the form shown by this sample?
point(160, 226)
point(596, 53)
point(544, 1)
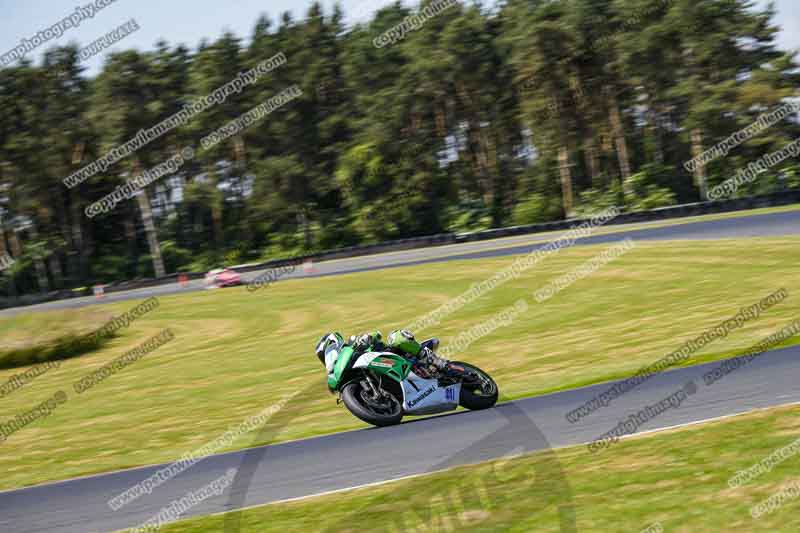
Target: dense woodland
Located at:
point(530, 111)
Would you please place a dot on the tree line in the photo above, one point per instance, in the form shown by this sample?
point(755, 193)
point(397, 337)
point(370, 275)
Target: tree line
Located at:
point(531, 111)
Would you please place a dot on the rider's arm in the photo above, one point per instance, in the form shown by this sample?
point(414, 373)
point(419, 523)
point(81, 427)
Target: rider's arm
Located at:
point(373, 339)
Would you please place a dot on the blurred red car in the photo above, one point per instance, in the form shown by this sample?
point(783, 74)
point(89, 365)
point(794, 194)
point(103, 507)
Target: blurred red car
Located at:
point(222, 277)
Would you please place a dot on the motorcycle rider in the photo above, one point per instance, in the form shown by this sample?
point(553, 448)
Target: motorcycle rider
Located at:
point(401, 342)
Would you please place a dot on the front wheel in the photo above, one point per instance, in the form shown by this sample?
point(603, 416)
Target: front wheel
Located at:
point(382, 410)
point(478, 391)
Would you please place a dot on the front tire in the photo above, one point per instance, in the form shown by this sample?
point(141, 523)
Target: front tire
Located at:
point(481, 393)
point(387, 412)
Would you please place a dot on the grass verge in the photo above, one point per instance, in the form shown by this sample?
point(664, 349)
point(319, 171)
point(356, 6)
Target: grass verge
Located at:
point(28, 341)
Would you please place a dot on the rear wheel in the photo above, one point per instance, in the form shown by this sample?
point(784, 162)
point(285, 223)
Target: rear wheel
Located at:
point(383, 409)
point(478, 391)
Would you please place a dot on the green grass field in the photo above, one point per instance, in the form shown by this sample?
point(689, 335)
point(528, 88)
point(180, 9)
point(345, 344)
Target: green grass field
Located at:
point(236, 352)
point(678, 479)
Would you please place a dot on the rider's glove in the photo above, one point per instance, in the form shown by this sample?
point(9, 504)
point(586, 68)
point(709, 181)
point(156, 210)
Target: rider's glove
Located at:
point(363, 341)
point(373, 339)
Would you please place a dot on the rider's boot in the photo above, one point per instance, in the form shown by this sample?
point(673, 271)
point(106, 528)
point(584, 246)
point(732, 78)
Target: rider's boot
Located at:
point(430, 357)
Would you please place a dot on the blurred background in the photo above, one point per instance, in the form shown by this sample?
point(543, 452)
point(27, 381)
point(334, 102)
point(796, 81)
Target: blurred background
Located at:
point(488, 115)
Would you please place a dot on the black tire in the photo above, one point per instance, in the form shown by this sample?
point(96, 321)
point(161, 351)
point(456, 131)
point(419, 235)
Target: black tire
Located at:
point(476, 398)
point(352, 396)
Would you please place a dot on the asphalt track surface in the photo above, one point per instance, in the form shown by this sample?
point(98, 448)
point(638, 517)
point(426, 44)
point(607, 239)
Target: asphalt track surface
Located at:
point(354, 458)
point(744, 226)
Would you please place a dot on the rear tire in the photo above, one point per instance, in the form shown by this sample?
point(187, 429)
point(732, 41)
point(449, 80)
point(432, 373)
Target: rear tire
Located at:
point(354, 399)
point(477, 397)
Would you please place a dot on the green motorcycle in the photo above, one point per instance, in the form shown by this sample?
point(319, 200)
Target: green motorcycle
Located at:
point(381, 384)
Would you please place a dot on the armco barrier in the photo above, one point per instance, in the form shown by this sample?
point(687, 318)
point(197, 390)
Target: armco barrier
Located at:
point(662, 213)
point(677, 211)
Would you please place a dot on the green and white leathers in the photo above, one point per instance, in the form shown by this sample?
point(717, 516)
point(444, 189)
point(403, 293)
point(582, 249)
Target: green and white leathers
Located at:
point(380, 383)
point(404, 341)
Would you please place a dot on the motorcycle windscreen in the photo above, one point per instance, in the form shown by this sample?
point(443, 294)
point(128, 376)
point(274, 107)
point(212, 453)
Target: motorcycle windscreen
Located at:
point(331, 355)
